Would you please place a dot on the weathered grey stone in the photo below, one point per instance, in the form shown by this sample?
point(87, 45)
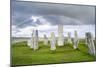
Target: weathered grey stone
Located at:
point(35, 40)
point(75, 43)
point(69, 38)
point(60, 35)
point(30, 41)
point(90, 43)
point(45, 40)
point(52, 42)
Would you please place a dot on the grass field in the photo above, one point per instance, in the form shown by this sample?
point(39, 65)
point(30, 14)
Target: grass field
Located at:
point(23, 55)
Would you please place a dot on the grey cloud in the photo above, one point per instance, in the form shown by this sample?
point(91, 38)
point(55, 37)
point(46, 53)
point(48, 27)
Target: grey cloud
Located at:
point(62, 20)
point(53, 13)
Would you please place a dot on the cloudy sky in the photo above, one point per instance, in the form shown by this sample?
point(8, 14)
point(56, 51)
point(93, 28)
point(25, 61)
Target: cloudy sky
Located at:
point(27, 16)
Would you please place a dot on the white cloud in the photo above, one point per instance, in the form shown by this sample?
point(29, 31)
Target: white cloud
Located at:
point(44, 27)
point(23, 32)
point(47, 29)
point(81, 29)
point(34, 18)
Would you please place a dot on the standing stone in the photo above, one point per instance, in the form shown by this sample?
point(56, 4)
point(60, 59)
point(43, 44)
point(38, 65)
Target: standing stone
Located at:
point(90, 43)
point(35, 40)
point(52, 42)
point(69, 38)
point(86, 40)
point(30, 41)
point(75, 41)
point(60, 35)
point(45, 40)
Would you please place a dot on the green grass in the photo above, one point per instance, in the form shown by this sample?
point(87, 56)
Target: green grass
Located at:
point(23, 55)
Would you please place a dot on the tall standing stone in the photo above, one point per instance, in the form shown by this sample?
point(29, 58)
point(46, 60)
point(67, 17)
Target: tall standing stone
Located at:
point(86, 40)
point(45, 40)
point(35, 40)
point(60, 35)
point(75, 40)
point(69, 38)
point(30, 41)
point(90, 43)
point(52, 42)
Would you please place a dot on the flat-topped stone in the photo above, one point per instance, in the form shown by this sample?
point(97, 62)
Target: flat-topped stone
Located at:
point(60, 35)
